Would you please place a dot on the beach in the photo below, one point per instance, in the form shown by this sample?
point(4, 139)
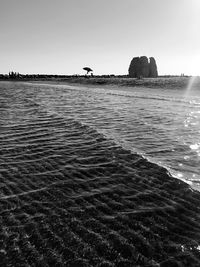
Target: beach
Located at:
point(176, 82)
point(73, 195)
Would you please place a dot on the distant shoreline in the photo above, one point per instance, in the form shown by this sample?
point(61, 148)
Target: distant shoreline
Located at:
point(160, 82)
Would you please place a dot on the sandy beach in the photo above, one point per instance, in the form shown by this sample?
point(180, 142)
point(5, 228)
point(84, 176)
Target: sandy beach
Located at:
point(100, 133)
point(72, 197)
point(160, 82)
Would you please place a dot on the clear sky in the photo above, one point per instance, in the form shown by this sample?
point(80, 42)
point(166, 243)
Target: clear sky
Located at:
point(63, 36)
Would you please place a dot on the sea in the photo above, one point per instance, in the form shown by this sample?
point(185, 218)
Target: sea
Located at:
point(158, 124)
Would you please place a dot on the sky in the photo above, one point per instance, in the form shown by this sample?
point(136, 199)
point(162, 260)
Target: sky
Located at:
point(63, 36)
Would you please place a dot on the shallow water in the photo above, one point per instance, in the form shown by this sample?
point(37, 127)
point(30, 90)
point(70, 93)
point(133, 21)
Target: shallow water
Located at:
point(73, 190)
point(162, 125)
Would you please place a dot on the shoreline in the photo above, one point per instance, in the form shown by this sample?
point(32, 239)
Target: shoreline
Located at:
point(159, 82)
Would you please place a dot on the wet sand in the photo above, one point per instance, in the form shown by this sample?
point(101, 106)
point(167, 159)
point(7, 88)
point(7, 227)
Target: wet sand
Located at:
point(160, 82)
point(71, 197)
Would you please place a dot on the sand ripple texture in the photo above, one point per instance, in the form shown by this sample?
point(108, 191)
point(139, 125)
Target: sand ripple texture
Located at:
point(71, 197)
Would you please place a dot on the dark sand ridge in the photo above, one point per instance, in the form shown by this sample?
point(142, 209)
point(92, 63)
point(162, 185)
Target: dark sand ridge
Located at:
point(70, 197)
point(160, 82)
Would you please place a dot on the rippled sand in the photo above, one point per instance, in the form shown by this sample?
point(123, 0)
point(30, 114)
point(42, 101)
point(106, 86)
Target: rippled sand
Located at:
point(71, 197)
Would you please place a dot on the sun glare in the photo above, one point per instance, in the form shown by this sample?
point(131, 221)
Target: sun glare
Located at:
point(190, 85)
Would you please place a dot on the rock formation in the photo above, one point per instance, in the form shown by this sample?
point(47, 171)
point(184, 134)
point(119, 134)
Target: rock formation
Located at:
point(141, 67)
point(153, 72)
point(134, 67)
point(144, 67)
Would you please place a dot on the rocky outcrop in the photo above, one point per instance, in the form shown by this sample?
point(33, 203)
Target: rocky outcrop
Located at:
point(134, 67)
point(142, 67)
point(153, 72)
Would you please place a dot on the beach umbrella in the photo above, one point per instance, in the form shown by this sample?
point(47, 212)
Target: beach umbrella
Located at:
point(87, 69)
